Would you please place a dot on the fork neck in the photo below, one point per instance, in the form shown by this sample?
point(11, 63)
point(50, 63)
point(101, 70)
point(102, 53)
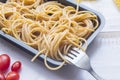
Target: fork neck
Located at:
point(94, 74)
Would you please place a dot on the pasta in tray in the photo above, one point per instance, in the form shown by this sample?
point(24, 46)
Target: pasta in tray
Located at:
point(51, 28)
point(28, 3)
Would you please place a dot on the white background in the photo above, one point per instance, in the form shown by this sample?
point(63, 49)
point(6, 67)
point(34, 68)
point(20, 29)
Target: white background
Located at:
point(104, 52)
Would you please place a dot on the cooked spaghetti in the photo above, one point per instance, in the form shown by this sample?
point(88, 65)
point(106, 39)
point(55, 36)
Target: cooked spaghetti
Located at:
point(28, 3)
point(51, 28)
point(117, 2)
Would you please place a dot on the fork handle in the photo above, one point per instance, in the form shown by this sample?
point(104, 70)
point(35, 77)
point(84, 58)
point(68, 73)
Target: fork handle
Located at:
point(94, 74)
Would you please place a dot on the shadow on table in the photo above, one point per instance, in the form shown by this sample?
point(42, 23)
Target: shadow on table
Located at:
point(93, 48)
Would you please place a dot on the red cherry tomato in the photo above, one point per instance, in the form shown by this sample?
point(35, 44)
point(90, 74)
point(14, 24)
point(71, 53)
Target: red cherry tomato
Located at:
point(12, 76)
point(16, 66)
point(2, 77)
point(4, 62)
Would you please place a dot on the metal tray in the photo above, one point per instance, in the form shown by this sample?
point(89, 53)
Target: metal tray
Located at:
point(32, 51)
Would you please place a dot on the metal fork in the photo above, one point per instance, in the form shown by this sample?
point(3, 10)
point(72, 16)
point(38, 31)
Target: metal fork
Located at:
point(80, 59)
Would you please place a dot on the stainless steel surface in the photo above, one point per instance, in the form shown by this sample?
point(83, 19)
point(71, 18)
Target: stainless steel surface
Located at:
point(80, 59)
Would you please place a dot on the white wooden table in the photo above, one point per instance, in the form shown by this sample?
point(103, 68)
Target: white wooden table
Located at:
point(104, 52)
